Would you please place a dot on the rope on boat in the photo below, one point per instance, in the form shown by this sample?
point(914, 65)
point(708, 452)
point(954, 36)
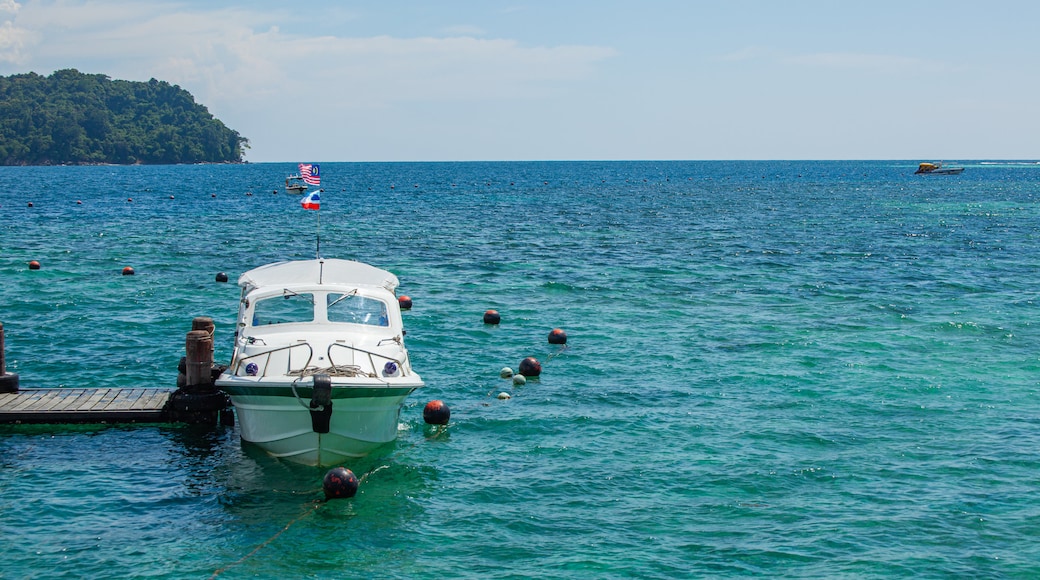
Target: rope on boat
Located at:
point(333, 371)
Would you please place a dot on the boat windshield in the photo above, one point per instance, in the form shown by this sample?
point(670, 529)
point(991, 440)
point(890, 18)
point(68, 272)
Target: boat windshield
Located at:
point(290, 307)
point(356, 309)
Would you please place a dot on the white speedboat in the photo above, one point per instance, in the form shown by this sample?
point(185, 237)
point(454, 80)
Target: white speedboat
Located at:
point(294, 184)
point(319, 370)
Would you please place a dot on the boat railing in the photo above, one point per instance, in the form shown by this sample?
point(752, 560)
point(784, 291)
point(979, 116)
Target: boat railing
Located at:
point(264, 363)
point(372, 358)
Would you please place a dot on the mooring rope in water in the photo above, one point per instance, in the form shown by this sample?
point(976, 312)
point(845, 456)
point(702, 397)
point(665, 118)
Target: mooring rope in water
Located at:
point(309, 510)
point(439, 431)
point(220, 571)
point(553, 355)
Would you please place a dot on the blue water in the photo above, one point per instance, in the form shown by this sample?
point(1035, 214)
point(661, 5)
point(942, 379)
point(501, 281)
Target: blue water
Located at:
point(794, 369)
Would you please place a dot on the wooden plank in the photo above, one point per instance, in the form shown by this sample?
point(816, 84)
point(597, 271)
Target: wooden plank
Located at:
point(106, 400)
point(30, 399)
point(116, 405)
point(123, 399)
point(61, 398)
point(91, 401)
point(73, 400)
point(153, 399)
point(47, 400)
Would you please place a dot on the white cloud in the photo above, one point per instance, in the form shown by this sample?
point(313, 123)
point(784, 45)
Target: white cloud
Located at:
point(235, 54)
point(13, 43)
point(264, 74)
point(13, 40)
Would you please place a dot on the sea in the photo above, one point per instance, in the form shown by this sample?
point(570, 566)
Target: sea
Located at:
point(787, 369)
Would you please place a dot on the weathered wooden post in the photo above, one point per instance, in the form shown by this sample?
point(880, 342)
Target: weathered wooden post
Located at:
point(8, 381)
point(196, 399)
point(203, 323)
point(198, 366)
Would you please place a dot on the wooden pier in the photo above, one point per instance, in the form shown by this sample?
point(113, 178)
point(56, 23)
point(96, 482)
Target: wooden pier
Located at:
point(85, 406)
point(195, 400)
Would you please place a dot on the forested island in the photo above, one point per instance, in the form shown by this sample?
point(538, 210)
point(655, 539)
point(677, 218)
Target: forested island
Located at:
point(74, 118)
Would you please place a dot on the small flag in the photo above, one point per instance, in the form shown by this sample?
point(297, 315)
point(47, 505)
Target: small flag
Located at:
point(312, 200)
point(310, 173)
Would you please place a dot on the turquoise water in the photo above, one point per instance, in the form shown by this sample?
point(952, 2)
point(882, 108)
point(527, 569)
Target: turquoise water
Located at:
point(795, 369)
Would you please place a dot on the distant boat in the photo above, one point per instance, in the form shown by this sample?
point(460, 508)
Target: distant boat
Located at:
point(937, 169)
point(294, 184)
point(299, 182)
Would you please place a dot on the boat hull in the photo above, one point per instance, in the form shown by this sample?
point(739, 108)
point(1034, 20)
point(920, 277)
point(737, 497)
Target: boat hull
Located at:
point(280, 423)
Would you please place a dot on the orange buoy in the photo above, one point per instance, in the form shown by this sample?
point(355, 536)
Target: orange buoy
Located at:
point(557, 336)
point(405, 302)
point(436, 413)
point(492, 317)
point(34, 265)
point(128, 271)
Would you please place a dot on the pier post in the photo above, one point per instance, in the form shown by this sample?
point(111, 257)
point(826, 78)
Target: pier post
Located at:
point(199, 363)
point(197, 400)
point(203, 323)
point(8, 381)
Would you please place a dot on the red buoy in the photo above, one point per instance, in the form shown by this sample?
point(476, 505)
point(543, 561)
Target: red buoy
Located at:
point(34, 265)
point(436, 413)
point(530, 367)
point(405, 302)
point(339, 482)
point(128, 271)
point(492, 317)
point(557, 336)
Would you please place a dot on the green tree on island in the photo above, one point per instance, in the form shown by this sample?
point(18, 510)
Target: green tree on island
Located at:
point(74, 118)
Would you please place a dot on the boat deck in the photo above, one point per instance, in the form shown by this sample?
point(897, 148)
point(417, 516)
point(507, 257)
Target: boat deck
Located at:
point(84, 406)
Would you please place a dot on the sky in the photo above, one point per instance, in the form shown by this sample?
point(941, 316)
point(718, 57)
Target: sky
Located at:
point(471, 80)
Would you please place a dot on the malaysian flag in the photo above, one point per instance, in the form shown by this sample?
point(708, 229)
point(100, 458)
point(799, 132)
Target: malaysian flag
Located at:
point(309, 173)
point(312, 200)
